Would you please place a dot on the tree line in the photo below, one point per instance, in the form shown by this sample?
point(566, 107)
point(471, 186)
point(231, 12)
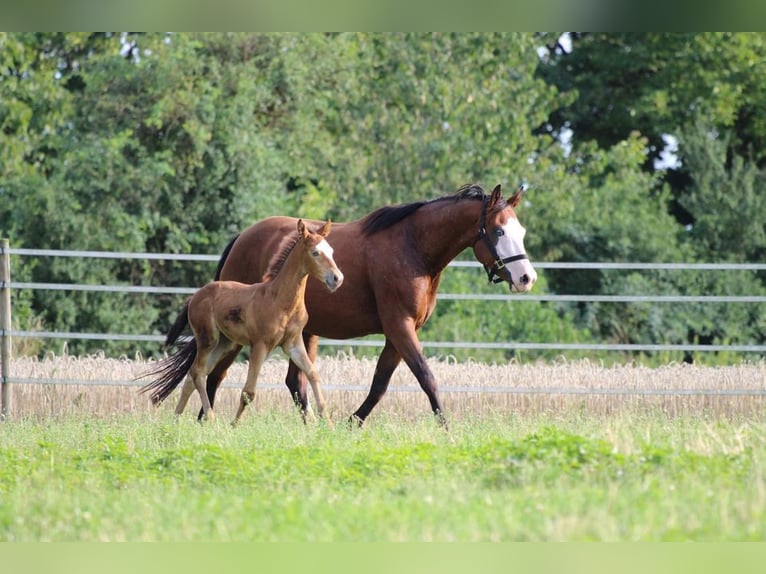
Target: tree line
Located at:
point(175, 142)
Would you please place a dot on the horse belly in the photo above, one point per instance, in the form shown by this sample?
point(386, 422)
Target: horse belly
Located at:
point(349, 312)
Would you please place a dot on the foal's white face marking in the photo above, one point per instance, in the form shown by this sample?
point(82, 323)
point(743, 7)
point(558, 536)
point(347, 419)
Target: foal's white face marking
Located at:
point(324, 248)
point(510, 242)
point(333, 275)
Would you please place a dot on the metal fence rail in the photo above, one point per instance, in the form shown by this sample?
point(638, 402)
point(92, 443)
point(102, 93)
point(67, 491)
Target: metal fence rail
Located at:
point(516, 298)
point(6, 332)
point(413, 388)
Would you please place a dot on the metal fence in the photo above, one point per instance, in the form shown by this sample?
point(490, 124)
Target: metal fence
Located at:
point(7, 286)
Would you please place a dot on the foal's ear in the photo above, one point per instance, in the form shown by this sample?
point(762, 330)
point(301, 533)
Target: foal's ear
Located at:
point(325, 231)
point(302, 231)
point(515, 199)
point(496, 194)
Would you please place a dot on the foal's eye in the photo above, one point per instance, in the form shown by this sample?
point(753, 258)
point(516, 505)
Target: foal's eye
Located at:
point(315, 253)
point(499, 232)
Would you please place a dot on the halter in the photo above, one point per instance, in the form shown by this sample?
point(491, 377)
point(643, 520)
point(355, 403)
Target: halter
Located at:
point(498, 264)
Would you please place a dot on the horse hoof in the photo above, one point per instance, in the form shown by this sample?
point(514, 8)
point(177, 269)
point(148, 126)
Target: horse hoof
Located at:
point(354, 422)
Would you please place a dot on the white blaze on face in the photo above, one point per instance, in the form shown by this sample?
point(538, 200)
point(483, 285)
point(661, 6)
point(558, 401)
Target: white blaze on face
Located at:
point(324, 248)
point(509, 244)
point(333, 275)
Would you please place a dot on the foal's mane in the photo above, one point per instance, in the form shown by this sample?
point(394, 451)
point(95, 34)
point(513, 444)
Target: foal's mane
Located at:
point(283, 252)
point(385, 217)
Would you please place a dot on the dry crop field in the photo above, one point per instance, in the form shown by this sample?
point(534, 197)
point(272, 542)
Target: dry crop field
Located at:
point(534, 452)
point(97, 386)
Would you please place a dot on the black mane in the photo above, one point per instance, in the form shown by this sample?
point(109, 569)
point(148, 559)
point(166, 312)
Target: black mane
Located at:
point(385, 217)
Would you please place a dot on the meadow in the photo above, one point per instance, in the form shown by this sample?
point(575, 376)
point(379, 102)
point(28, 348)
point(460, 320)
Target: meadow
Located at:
point(93, 461)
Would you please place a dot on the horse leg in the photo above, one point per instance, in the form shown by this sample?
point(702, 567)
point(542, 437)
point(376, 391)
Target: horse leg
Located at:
point(388, 360)
point(404, 336)
point(197, 374)
point(186, 392)
point(207, 336)
point(296, 378)
point(298, 354)
point(258, 355)
point(217, 374)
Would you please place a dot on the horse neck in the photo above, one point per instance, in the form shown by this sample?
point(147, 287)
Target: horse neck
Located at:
point(289, 285)
point(444, 229)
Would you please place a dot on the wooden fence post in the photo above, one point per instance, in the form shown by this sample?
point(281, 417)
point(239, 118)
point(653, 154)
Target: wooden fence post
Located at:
point(5, 327)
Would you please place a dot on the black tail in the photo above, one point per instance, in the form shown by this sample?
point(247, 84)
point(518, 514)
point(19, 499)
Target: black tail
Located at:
point(224, 256)
point(172, 370)
point(178, 326)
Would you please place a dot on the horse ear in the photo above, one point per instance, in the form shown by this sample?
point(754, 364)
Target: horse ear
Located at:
point(515, 199)
point(302, 231)
point(497, 193)
point(325, 231)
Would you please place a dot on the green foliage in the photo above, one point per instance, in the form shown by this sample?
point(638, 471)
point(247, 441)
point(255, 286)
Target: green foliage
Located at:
point(515, 321)
point(175, 142)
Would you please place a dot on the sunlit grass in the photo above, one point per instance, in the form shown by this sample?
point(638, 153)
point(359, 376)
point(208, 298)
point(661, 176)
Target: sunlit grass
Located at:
point(98, 463)
point(139, 477)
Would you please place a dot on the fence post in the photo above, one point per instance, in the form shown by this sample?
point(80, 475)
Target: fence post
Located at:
point(5, 326)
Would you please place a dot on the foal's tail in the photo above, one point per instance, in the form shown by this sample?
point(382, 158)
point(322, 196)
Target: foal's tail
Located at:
point(172, 370)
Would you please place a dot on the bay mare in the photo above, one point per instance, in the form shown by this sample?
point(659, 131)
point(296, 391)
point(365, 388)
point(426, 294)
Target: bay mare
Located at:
point(392, 259)
point(225, 315)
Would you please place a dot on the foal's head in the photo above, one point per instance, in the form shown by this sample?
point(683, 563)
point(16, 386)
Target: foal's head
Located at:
point(500, 245)
point(319, 255)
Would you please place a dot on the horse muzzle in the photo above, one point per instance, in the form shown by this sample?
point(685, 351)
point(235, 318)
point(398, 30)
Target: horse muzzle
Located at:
point(333, 280)
point(524, 283)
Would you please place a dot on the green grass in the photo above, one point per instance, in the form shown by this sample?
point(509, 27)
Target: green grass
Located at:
point(620, 478)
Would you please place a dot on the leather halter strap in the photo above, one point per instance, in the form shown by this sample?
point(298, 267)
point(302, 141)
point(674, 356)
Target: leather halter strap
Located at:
point(498, 262)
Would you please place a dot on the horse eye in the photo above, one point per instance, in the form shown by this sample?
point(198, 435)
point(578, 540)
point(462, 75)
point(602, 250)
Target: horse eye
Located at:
point(315, 253)
point(499, 232)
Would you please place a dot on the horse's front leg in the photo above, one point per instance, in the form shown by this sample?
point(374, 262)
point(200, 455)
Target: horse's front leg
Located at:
point(296, 378)
point(404, 337)
point(298, 354)
point(258, 355)
point(388, 360)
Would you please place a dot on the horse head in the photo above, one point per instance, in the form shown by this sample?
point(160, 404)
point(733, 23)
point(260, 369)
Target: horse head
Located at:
point(499, 245)
point(322, 266)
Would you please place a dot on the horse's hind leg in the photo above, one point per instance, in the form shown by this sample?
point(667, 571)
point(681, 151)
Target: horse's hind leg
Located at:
point(258, 355)
point(197, 375)
point(207, 342)
point(186, 392)
point(218, 373)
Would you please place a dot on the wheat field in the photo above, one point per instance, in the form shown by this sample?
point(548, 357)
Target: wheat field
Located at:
point(569, 451)
point(100, 386)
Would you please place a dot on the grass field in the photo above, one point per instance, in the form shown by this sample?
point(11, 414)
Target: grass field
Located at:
point(94, 462)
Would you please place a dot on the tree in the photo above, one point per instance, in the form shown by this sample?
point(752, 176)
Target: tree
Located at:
point(175, 142)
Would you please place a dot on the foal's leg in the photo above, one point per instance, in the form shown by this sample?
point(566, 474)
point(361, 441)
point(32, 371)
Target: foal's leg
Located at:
point(186, 392)
point(197, 373)
point(258, 355)
point(207, 340)
point(296, 378)
point(299, 356)
point(218, 373)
